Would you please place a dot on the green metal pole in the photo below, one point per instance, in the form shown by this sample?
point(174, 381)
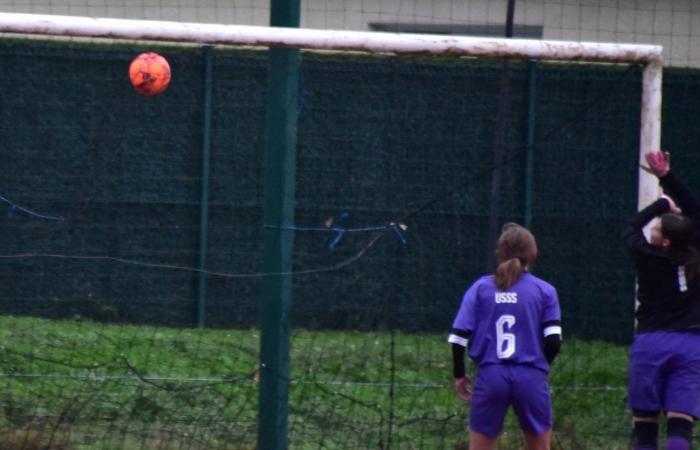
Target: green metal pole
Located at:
point(530, 154)
point(278, 212)
point(204, 202)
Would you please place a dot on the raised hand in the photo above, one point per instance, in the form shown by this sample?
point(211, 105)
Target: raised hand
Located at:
point(659, 163)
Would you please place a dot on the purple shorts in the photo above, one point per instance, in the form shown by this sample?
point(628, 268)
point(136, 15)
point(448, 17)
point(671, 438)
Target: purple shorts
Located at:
point(498, 386)
point(664, 372)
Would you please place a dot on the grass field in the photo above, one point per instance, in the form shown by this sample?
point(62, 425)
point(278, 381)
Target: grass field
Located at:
point(83, 385)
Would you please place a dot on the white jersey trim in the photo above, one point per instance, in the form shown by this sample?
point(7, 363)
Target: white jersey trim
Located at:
point(555, 329)
point(454, 339)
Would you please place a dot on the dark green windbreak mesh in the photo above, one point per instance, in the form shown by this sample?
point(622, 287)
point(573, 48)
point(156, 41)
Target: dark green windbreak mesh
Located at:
point(381, 139)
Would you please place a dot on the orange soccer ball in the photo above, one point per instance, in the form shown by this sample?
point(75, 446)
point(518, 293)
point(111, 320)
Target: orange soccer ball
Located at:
point(149, 73)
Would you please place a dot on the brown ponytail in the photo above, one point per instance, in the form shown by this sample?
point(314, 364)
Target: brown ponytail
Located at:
point(515, 251)
point(508, 273)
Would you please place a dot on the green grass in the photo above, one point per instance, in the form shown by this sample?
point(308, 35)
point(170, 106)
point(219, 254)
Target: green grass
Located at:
point(82, 385)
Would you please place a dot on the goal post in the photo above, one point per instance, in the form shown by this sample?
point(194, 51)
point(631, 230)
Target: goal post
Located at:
point(376, 42)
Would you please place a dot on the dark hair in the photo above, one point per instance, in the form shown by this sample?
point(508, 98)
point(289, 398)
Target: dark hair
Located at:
point(680, 231)
point(516, 249)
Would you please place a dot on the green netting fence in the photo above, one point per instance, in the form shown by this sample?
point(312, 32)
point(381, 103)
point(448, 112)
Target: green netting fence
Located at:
point(100, 343)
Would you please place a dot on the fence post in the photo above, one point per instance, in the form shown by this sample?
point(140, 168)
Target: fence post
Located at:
point(204, 202)
point(279, 175)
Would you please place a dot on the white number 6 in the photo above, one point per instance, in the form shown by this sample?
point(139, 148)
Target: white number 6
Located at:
point(505, 342)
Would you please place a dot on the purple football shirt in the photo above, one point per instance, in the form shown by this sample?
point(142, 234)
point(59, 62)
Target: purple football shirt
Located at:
point(509, 326)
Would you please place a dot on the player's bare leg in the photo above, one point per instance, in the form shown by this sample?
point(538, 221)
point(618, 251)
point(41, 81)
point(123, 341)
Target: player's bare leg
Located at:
point(478, 441)
point(539, 442)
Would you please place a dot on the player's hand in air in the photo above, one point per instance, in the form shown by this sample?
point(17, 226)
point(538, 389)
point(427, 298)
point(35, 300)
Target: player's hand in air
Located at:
point(463, 388)
point(659, 163)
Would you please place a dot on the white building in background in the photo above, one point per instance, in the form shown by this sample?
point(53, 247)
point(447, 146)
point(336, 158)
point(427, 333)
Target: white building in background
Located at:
point(675, 24)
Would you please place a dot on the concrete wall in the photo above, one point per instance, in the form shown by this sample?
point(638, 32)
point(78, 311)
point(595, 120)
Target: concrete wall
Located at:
point(675, 24)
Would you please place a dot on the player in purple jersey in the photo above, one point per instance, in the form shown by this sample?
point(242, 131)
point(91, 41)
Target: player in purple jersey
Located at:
point(511, 324)
point(664, 371)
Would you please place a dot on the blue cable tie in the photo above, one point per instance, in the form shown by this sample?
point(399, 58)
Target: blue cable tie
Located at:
point(335, 241)
point(339, 231)
point(398, 233)
point(339, 219)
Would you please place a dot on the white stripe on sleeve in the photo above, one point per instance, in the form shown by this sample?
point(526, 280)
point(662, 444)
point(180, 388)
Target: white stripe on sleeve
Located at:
point(554, 329)
point(454, 339)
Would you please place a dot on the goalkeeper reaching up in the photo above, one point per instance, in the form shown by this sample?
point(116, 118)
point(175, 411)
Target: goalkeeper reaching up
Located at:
point(664, 371)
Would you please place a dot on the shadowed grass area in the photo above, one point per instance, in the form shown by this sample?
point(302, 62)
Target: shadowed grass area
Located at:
point(84, 385)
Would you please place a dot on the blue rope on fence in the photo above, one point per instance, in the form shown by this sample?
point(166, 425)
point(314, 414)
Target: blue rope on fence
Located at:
point(334, 227)
point(15, 207)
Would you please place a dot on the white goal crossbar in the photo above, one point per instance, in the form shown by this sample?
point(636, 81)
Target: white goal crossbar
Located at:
point(376, 42)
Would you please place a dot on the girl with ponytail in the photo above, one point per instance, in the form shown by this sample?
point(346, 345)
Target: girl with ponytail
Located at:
point(510, 324)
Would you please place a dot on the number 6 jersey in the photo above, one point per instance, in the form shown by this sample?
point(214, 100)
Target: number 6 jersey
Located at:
point(507, 326)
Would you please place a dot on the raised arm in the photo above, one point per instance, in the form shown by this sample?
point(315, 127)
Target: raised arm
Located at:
point(633, 235)
point(685, 198)
point(660, 165)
